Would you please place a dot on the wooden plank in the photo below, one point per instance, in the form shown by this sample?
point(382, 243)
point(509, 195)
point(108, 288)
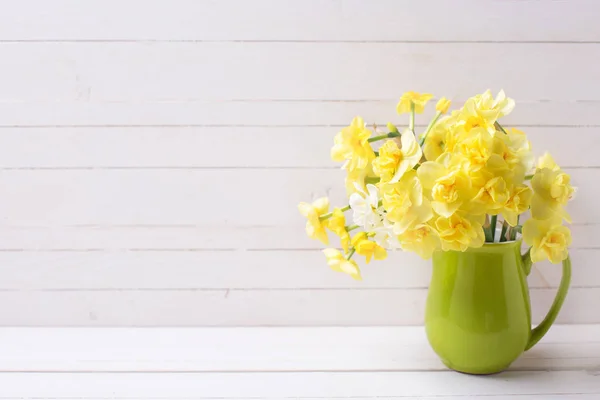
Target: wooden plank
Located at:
point(278, 113)
point(208, 198)
point(412, 385)
point(314, 349)
point(316, 20)
point(270, 307)
point(267, 269)
point(470, 397)
point(134, 72)
point(191, 237)
point(460, 397)
point(215, 147)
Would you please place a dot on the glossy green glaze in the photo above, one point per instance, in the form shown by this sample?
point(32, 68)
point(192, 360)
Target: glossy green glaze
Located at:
point(478, 317)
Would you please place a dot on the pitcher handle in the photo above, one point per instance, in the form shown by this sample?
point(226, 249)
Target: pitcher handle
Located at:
point(539, 331)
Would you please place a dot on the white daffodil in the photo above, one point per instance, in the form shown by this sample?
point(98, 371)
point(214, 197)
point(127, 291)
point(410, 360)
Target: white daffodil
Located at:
point(367, 212)
point(385, 236)
point(370, 215)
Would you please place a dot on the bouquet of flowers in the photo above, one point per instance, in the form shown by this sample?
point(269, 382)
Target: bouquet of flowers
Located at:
point(464, 181)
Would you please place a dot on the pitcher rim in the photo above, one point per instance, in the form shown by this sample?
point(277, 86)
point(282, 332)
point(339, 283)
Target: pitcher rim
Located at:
point(497, 246)
point(494, 244)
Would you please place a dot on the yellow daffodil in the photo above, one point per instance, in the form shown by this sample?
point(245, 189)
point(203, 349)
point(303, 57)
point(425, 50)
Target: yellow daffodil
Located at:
point(549, 240)
point(501, 104)
point(315, 228)
point(337, 224)
point(357, 179)
point(492, 197)
point(442, 191)
point(422, 239)
point(446, 192)
point(546, 161)
point(386, 164)
point(443, 105)
point(520, 147)
point(449, 187)
point(517, 204)
point(405, 204)
point(459, 232)
point(495, 166)
point(471, 117)
point(352, 144)
point(409, 98)
point(552, 190)
point(368, 248)
point(454, 129)
point(434, 144)
point(393, 161)
point(482, 111)
point(339, 263)
point(479, 179)
point(442, 138)
point(512, 152)
point(475, 146)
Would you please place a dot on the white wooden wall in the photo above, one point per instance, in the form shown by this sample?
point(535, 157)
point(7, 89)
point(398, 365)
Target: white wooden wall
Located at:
point(152, 152)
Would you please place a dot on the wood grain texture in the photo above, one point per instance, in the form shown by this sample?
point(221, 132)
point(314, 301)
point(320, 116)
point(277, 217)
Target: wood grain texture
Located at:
point(200, 71)
point(280, 363)
point(290, 20)
point(128, 130)
point(206, 197)
point(315, 349)
point(248, 307)
point(266, 113)
point(517, 385)
point(212, 269)
point(227, 147)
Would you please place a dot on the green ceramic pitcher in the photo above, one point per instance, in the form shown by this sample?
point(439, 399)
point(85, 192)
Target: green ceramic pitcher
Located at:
point(478, 316)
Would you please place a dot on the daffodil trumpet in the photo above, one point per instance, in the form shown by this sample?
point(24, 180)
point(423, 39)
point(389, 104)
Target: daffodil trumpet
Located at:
point(446, 191)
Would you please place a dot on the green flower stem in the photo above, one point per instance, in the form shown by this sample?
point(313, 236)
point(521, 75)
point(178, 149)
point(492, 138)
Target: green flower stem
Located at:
point(350, 253)
point(351, 227)
point(513, 230)
point(372, 179)
point(503, 234)
point(528, 177)
point(499, 127)
point(527, 261)
point(429, 127)
point(381, 137)
point(329, 214)
point(518, 228)
point(493, 222)
point(488, 233)
point(411, 121)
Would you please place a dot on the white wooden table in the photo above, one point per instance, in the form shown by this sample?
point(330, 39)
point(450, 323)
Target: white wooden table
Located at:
point(279, 363)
